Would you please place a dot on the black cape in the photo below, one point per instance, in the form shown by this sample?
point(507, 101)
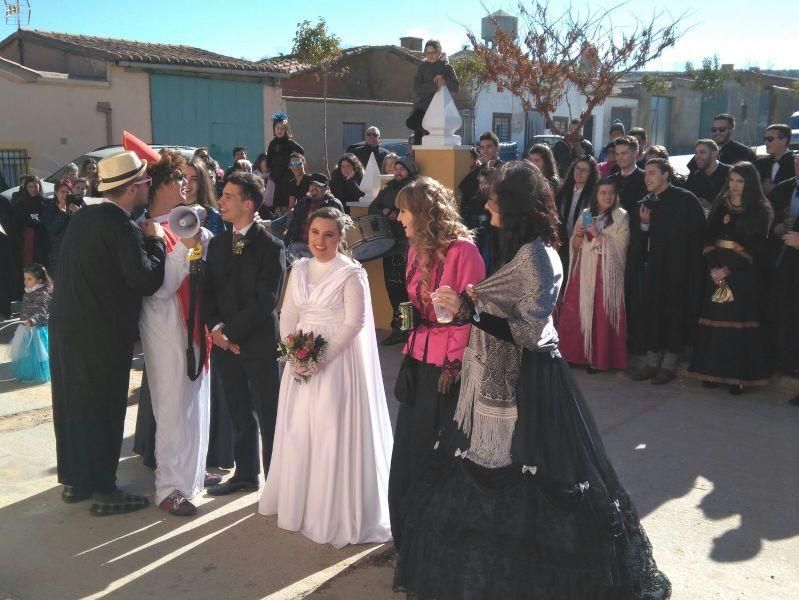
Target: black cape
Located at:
point(106, 267)
point(673, 281)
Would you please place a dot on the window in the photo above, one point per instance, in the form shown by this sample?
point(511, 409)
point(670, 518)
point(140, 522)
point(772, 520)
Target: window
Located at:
point(500, 124)
point(13, 165)
point(353, 133)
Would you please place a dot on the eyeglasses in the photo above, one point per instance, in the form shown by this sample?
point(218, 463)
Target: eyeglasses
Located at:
point(718, 129)
point(146, 181)
point(178, 176)
point(297, 163)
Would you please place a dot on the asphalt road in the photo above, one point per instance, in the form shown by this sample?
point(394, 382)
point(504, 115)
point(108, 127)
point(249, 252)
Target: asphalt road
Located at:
point(714, 478)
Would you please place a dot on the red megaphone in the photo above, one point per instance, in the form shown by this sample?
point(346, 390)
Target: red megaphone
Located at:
point(142, 149)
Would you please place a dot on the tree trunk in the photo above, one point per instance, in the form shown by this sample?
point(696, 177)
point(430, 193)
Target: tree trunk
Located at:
point(324, 120)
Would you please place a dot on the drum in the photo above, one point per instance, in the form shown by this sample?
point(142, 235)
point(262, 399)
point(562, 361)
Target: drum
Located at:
point(371, 237)
point(278, 227)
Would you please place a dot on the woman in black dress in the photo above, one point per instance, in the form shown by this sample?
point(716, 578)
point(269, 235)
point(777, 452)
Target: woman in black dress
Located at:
point(520, 500)
point(730, 346)
point(278, 156)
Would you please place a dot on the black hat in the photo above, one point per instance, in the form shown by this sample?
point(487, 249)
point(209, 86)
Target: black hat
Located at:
point(617, 126)
point(319, 178)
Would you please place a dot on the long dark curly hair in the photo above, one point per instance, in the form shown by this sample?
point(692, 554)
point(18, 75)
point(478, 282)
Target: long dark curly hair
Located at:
point(526, 207)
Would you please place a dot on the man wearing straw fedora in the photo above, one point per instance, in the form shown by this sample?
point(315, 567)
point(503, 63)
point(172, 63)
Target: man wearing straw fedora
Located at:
point(108, 263)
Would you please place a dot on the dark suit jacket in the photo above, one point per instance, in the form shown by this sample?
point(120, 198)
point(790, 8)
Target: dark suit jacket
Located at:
point(786, 170)
point(106, 267)
point(734, 152)
point(242, 291)
point(363, 151)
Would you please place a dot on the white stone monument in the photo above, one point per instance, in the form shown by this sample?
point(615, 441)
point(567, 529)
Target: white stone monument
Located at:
point(442, 120)
point(370, 184)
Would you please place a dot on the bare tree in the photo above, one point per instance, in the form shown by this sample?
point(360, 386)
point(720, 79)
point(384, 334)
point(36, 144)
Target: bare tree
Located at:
point(565, 52)
point(314, 46)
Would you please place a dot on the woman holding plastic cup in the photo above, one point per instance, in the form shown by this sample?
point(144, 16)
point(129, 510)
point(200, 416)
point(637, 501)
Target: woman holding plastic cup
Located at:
point(441, 253)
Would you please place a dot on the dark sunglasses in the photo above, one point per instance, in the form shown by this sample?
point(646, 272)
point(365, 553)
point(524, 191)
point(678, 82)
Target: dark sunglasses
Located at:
point(718, 129)
point(178, 176)
point(297, 163)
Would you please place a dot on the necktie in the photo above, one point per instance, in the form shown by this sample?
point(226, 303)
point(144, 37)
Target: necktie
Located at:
point(237, 238)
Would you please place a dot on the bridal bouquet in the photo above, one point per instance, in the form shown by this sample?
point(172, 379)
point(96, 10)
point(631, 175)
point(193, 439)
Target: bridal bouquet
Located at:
point(304, 352)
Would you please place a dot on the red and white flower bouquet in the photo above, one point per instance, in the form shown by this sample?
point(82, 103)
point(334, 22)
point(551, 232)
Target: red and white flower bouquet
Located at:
point(304, 352)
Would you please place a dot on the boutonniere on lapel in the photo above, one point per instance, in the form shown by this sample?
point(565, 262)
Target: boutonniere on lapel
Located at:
point(238, 246)
point(239, 243)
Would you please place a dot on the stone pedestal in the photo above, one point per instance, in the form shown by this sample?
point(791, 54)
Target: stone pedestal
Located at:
point(441, 155)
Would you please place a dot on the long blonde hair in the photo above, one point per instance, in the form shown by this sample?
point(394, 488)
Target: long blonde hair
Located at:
point(436, 222)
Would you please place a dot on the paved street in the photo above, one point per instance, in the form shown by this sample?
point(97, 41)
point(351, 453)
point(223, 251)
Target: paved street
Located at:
point(714, 478)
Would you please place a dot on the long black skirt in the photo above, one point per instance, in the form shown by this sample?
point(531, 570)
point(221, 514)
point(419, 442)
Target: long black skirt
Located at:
point(221, 436)
point(419, 426)
point(730, 343)
point(556, 523)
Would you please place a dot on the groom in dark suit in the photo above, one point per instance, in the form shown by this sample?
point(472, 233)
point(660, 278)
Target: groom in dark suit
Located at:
point(244, 275)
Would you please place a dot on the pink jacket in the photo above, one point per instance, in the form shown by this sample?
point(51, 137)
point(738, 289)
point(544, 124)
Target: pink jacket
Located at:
point(439, 345)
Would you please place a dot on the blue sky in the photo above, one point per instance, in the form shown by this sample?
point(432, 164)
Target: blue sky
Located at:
point(258, 28)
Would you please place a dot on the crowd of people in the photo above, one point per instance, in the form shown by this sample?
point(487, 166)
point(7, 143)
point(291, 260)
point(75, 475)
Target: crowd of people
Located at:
point(495, 481)
point(696, 268)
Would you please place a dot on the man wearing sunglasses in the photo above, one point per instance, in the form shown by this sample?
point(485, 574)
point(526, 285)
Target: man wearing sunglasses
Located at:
point(370, 146)
point(778, 165)
point(730, 151)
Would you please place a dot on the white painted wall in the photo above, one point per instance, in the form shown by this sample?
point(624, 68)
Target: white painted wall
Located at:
point(490, 101)
point(57, 120)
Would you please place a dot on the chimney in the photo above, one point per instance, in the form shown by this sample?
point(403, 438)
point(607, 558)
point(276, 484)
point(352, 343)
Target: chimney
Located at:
point(411, 43)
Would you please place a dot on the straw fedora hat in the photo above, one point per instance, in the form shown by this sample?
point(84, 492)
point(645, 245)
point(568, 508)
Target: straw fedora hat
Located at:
point(118, 169)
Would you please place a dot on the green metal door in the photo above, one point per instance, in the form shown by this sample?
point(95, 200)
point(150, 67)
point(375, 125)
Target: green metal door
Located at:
point(199, 111)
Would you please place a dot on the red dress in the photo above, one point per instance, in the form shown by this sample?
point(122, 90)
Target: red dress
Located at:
point(608, 345)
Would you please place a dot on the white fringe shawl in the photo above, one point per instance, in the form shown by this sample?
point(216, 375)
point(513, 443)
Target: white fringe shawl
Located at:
point(611, 248)
point(524, 292)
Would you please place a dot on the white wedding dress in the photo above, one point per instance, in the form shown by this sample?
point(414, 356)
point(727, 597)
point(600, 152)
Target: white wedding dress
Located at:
point(329, 472)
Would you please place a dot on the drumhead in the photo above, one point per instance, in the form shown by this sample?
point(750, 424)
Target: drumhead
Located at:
point(372, 248)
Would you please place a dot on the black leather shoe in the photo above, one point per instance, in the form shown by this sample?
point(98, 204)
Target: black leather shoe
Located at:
point(592, 371)
point(736, 390)
point(232, 486)
point(663, 377)
point(70, 494)
point(644, 373)
point(396, 337)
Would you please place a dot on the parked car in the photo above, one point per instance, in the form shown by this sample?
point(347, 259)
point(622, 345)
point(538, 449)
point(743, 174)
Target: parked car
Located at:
point(547, 139)
point(48, 183)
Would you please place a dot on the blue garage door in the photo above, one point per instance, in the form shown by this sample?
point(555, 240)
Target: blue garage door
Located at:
point(220, 114)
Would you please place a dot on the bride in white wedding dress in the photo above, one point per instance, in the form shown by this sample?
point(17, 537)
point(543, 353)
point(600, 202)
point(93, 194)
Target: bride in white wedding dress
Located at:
point(329, 472)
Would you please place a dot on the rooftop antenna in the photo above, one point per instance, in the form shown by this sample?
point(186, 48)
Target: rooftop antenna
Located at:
point(18, 12)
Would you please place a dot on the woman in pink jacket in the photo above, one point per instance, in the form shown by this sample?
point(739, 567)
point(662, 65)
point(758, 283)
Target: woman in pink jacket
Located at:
point(441, 253)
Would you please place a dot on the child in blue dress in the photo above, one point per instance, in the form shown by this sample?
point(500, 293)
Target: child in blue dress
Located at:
point(30, 356)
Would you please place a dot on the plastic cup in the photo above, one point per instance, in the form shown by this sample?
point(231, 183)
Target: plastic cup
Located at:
point(443, 314)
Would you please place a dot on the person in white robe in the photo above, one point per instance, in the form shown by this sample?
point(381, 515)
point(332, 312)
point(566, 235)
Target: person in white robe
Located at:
point(181, 406)
point(330, 463)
